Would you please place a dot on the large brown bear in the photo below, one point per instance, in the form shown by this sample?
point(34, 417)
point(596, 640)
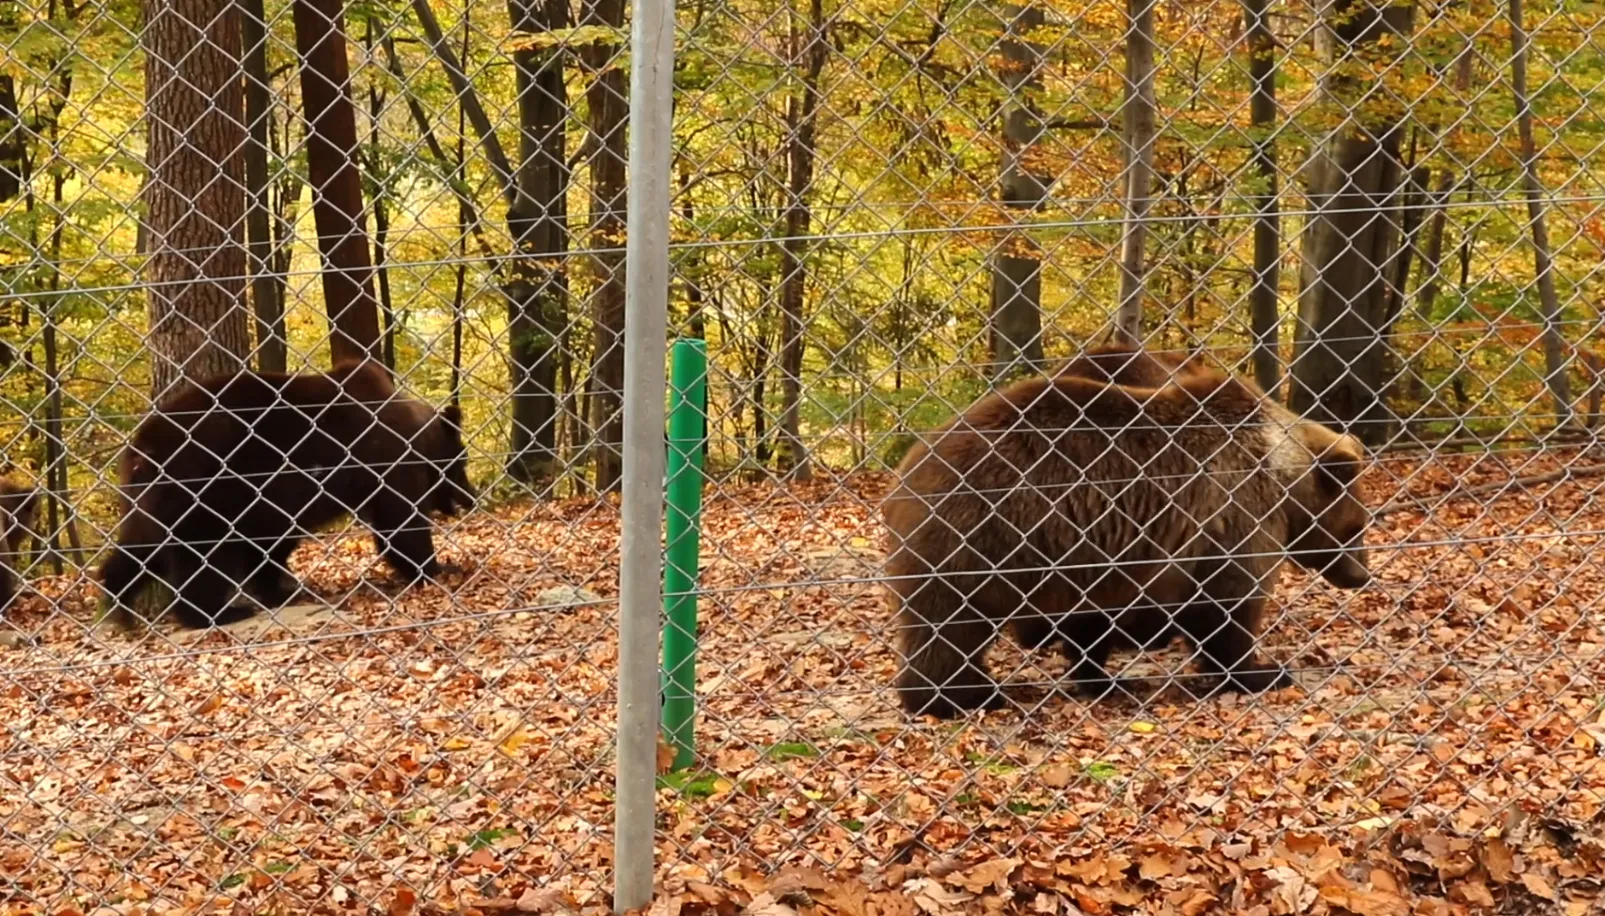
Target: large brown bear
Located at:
point(1086, 641)
point(19, 514)
point(224, 479)
point(1114, 504)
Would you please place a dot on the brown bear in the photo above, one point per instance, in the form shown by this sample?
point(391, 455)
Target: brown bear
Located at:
point(225, 478)
point(1118, 363)
point(19, 513)
point(1125, 364)
point(1113, 503)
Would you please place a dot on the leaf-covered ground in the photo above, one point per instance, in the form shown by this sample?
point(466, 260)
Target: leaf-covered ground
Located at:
point(449, 748)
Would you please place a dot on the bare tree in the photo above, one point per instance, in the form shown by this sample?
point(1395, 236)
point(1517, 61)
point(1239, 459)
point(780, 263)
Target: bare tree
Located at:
point(1016, 325)
point(1137, 129)
point(1349, 241)
point(267, 294)
point(336, 180)
point(1532, 185)
point(808, 53)
point(1264, 312)
point(609, 110)
point(195, 205)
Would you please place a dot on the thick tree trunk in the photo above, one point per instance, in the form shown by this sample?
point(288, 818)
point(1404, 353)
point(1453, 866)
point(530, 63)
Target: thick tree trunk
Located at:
point(267, 294)
point(802, 120)
point(1137, 126)
point(536, 287)
point(1264, 309)
point(336, 179)
point(195, 206)
point(1016, 325)
point(609, 110)
point(1350, 239)
point(1532, 185)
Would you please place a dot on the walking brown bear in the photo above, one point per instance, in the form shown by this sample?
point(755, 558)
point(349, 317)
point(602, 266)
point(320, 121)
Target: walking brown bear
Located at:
point(224, 479)
point(1118, 363)
point(19, 513)
point(1064, 495)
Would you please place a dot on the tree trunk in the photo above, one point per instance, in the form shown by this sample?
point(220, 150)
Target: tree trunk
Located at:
point(1264, 310)
point(802, 121)
point(336, 179)
point(195, 206)
point(378, 180)
point(606, 98)
point(536, 285)
point(1016, 326)
point(1137, 125)
point(1548, 298)
point(267, 295)
point(1350, 239)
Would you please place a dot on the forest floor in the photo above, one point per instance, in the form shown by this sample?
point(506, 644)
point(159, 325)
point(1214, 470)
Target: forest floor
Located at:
point(433, 750)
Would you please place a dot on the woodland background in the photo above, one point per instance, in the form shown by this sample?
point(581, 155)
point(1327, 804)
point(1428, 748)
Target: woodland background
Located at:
point(879, 208)
point(1387, 213)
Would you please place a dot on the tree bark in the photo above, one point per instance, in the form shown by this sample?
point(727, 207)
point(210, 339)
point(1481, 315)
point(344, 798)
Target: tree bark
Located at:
point(378, 179)
point(1137, 125)
point(267, 295)
point(1549, 299)
point(536, 286)
point(1349, 241)
point(1016, 325)
point(607, 100)
point(195, 206)
point(336, 179)
point(802, 120)
point(1263, 298)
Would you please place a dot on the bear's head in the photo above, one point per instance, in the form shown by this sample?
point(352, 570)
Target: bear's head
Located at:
point(1326, 520)
point(443, 447)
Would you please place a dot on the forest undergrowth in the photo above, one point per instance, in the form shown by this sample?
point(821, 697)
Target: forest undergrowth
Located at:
point(449, 748)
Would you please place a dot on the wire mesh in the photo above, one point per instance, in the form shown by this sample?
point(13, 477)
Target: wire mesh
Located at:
point(1379, 217)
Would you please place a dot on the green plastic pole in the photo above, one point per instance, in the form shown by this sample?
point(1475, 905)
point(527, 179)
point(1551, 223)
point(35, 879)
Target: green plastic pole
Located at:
point(688, 387)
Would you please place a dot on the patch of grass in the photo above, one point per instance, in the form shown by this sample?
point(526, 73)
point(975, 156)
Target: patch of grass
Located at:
point(690, 783)
point(488, 837)
point(1022, 808)
point(1100, 771)
point(997, 766)
point(792, 750)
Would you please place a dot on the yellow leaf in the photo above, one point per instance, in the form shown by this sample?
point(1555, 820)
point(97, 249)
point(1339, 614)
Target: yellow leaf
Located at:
point(515, 740)
point(1142, 728)
point(457, 744)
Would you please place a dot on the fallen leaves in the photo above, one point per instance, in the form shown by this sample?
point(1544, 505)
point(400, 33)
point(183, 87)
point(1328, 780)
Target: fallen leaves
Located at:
point(465, 765)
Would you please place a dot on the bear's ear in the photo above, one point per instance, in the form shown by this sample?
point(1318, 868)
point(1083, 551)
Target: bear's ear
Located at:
point(452, 416)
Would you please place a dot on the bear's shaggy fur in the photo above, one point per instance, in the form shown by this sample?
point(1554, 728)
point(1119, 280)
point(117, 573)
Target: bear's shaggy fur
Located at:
point(224, 479)
point(1067, 495)
point(1081, 638)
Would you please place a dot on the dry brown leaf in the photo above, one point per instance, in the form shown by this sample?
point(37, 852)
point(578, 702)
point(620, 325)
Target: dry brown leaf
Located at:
point(991, 874)
point(930, 896)
point(1497, 858)
point(1538, 885)
point(1056, 776)
point(403, 902)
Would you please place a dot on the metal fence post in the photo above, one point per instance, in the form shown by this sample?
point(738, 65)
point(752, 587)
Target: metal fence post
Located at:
point(640, 548)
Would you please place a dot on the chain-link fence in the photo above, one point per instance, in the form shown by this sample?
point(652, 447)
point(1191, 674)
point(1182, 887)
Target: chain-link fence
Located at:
point(293, 636)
